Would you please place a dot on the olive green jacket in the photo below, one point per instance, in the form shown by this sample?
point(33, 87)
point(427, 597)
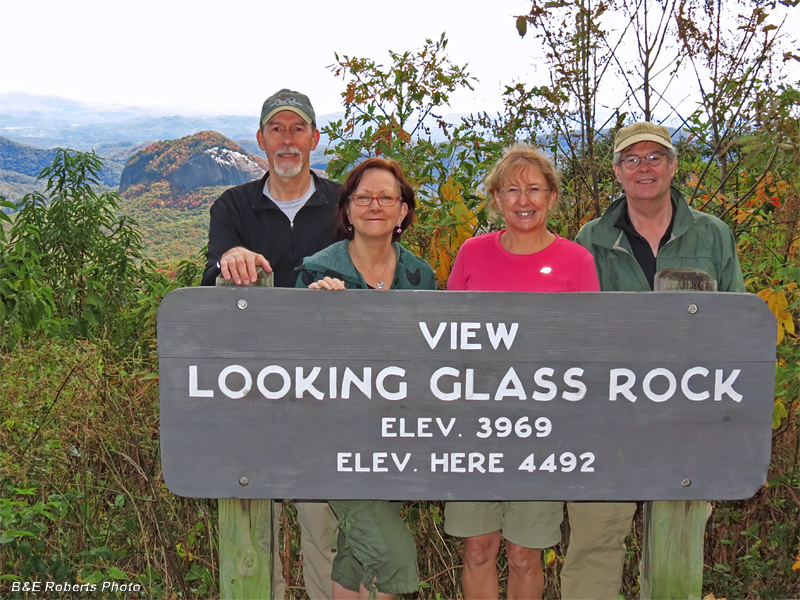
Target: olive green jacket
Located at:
point(411, 272)
point(698, 241)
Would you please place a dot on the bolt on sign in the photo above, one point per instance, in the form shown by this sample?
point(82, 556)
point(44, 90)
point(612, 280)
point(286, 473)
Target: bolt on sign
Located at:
point(291, 393)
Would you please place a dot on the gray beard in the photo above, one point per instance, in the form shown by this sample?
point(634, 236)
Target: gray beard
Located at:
point(288, 171)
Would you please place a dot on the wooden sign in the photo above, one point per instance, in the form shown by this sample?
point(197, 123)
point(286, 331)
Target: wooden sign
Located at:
point(290, 393)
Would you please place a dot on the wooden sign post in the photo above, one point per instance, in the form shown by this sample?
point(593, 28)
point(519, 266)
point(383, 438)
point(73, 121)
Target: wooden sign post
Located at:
point(674, 532)
point(289, 393)
point(247, 540)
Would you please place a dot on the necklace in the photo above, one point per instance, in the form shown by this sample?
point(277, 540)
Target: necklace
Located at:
point(379, 285)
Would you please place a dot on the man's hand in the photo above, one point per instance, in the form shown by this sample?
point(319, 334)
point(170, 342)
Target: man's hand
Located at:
point(240, 265)
point(329, 283)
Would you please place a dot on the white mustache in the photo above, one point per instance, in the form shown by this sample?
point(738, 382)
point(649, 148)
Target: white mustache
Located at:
point(288, 152)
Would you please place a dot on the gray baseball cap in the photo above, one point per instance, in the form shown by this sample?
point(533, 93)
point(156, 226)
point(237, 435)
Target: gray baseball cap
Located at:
point(287, 100)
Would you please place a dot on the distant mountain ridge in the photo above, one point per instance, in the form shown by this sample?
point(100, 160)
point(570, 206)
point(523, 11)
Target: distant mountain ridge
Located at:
point(53, 121)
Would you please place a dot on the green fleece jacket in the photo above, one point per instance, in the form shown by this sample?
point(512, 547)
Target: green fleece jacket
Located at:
point(411, 272)
point(698, 241)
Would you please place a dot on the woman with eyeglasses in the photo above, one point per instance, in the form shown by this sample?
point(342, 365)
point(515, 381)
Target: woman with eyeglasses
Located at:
point(522, 188)
point(376, 555)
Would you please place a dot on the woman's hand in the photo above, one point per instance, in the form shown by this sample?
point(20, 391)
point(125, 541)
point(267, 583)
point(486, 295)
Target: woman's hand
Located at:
point(329, 283)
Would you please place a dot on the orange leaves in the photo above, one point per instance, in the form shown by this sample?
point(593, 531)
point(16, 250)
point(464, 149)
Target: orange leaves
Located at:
point(769, 190)
point(693, 181)
point(387, 132)
point(350, 95)
point(779, 305)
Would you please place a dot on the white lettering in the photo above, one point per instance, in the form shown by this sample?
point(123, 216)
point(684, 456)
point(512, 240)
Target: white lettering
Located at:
point(494, 462)
point(377, 462)
point(223, 385)
point(442, 428)
point(615, 387)
point(685, 384)
point(469, 388)
point(364, 384)
point(433, 340)
point(386, 425)
point(580, 387)
point(332, 375)
point(273, 370)
point(510, 386)
point(453, 462)
point(501, 334)
point(671, 385)
point(476, 460)
point(539, 378)
point(194, 392)
point(434, 384)
point(401, 392)
point(342, 459)
point(422, 427)
point(358, 468)
point(401, 464)
point(467, 333)
point(438, 462)
point(726, 387)
point(456, 458)
point(403, 432)
point(303, 384)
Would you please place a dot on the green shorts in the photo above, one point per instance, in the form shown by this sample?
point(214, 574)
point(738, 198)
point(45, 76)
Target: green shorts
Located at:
point(526, 524)
point(374, 547)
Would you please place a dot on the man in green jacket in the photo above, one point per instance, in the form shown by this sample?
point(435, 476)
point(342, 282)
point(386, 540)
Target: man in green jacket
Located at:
point(650, 227)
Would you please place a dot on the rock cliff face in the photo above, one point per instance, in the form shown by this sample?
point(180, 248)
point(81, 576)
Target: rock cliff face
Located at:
point(202, 160)
point(215, 166)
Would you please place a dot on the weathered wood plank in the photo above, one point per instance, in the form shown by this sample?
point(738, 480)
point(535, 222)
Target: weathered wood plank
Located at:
point(246, 534)
point(674, 532)
point(245, 549)
point(403, 394)
point(672, 553)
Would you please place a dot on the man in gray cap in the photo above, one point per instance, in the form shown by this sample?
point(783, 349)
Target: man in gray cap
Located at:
point(649, 228)
point(274, 223)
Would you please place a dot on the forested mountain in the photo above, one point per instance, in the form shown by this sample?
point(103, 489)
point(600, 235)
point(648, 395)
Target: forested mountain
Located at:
point(169, 185)
point(200, 160)
point(20, 164)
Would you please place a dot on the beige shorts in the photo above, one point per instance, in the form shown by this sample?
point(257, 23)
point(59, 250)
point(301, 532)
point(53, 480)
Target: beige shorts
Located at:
point(527, 524)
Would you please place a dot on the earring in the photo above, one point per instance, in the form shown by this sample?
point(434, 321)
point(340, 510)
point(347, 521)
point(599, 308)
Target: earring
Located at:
point(399, 229)
point(350, 228)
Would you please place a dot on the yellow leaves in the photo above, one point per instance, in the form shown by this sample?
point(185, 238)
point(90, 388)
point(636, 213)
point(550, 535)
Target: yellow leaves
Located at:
point(712, 597)
point(779, 412)
point(439, 255)
point(779, 305)
point(549, 557)
point(796, 566)
point(447, 239)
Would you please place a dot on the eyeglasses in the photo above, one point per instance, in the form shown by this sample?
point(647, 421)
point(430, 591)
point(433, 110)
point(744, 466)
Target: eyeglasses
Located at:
point(366, 199)
point(513, 192)
point(653, 159)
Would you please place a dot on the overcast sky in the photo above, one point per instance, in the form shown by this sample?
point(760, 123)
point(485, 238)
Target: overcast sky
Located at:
point(215, 57)
point(227, 57)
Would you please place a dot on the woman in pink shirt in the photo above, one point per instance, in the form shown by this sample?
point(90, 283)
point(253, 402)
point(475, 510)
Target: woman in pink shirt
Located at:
point(524, 257)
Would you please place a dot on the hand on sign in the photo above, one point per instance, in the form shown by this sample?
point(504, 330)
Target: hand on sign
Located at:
point(329, 283)
point(240, 264)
